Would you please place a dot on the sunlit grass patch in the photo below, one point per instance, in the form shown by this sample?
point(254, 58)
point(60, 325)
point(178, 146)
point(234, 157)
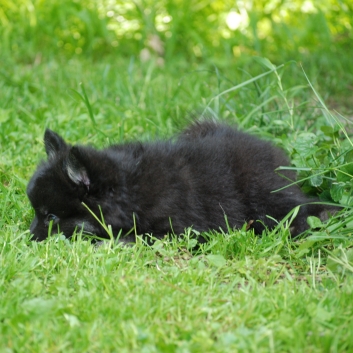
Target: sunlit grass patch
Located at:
point(235, 292)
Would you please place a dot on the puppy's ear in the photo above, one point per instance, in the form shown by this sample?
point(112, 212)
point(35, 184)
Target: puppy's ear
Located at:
point(53, 144)
point(75, 169)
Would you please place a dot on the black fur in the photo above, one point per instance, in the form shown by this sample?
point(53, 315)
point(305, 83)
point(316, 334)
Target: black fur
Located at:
point(209, 171)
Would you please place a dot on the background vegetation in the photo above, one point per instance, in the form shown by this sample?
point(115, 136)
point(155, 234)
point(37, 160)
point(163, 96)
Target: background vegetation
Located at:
point(100, 72)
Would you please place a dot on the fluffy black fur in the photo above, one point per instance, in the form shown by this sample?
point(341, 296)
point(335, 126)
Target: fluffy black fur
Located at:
point(209, 171)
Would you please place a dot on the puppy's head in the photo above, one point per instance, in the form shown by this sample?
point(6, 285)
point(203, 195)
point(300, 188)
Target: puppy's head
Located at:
point(57, 189)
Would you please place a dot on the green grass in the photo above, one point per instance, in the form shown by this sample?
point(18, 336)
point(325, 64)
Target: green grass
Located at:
point(235, 293)
point(71, 296)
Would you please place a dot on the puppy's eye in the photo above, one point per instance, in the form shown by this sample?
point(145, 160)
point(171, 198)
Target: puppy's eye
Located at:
point(51, 217)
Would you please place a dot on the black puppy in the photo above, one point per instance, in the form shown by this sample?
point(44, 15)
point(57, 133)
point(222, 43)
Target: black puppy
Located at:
point(210, 173)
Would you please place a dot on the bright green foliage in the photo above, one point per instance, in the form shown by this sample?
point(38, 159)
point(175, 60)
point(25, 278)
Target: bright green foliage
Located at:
point(95, 72)
point(187, 27)
point(324, 161)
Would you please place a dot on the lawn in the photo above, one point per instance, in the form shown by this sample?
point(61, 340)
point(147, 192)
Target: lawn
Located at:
point(68, 68)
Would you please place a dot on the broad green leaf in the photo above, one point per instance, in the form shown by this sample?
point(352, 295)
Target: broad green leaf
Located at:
point(216, 260)
point(305, 144)
point(345, 173)
point(72, 320)
point(314, 222)
point(265, 62)
point(349, 156)
point(337, 191)
point(326, 196)
point(330, 131)
point(304, 248)
point(316, 180)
